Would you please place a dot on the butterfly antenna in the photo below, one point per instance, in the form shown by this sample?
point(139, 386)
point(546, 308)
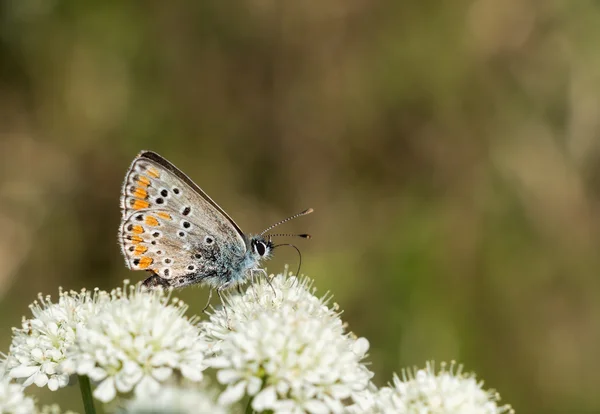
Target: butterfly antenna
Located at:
point(303, 213)
point(299, 256)
point(304, 236)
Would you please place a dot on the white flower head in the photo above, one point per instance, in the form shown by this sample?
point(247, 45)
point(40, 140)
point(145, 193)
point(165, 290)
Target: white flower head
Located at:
point(12, 399)
point(448, 391)
point(286, 349)
point(41, 344)
point(136, 341)
point(263, 295)
point(53, 409)
point(174, 400)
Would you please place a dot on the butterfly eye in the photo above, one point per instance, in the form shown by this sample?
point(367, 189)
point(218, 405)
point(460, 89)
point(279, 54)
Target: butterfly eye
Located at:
point(261, 248)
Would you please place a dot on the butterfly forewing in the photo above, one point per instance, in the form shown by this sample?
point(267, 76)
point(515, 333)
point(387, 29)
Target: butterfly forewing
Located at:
point(169, 225)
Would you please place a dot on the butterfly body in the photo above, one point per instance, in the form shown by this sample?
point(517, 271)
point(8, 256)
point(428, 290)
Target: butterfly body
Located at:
point(171, 228)
point(218, 268)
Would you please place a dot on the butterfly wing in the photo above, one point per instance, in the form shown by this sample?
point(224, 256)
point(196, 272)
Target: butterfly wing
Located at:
point(170, 225)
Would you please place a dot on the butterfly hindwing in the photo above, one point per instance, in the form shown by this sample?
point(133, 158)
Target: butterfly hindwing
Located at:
point(170, 226)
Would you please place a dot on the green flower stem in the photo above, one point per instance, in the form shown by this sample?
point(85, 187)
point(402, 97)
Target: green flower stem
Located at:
point(249, 409)
point(86, 394)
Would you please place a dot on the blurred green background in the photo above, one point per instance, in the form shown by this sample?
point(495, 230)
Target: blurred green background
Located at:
point(450, 150)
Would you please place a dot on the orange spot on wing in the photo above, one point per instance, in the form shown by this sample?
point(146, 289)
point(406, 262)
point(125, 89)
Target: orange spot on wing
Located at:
point(152, 172)
point(140, 249)
point(143, 181)
point(145, 262)
point(137, 229)
point(166, 216)
point(140, 193)
point(136, 239)
point(151, 221)
point(140, 204)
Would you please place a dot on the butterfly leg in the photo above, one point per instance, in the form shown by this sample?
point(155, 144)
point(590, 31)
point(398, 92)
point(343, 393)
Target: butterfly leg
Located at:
point(267, 278)
point(239, 289)
point(252, 284)
point(154, 282)
point(208, 301)
point(219, 290)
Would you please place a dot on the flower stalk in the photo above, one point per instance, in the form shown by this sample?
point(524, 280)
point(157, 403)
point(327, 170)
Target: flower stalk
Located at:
point(86, 394)
point(249, 409)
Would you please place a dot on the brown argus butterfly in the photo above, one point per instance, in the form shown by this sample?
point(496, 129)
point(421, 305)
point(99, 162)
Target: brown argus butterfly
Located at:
point(171, 228)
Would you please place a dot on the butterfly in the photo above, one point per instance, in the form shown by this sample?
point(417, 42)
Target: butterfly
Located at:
point(174, 230)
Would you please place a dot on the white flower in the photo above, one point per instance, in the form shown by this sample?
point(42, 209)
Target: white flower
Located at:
point(424, 391)
point(287, 350)
point(12, 399)
point(171, 400)
point(364, 401)
point(264, 296)
point(40, 345)
point(53, 409)
point(135, 342)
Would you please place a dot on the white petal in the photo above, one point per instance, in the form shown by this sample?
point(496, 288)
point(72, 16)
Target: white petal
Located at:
point(218, 362)
point(29, 381)
point(106, 391)
point(97, 374)
point(360, 346)
point(165, 357)
point(316, 407)
point(254, 385)
point(226, 376)
point(124, 383)
point(233, 393)
point(340, 391)
point(84, 366)
point(23, 371)
point(147, 386)
point(40, 379)
point(162, 373)
point(283, 387)
point(193, 374)
point(63, 380)
point(49, 367)
point(36, 354)
point(53, 384)
point(131, 368)
point(264, 399)
point(335, 406)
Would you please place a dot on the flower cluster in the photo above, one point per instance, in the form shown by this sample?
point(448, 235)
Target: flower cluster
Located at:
point(287, 349)
point(276, 345)
point(269, 296)
point(41, 344)
point(135, 342)
point(172, 399)
point(448, 391)
point(12, 399)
